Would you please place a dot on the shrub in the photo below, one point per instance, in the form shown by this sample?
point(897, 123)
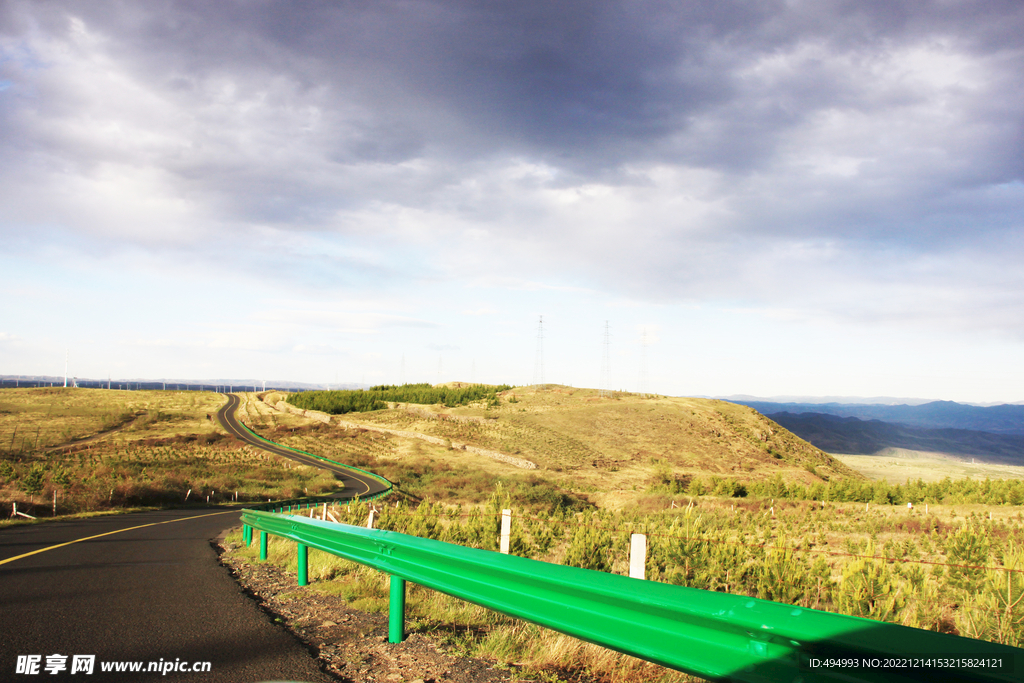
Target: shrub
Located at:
point(32, 483)
point(588, 547)
point(7, 472)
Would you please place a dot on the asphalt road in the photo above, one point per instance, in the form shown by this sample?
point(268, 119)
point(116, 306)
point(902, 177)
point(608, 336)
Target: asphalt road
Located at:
point(144, 588)
point(354, 482)
point(141, 594)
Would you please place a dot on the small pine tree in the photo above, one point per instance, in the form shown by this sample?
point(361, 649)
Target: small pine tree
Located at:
point(588, 548)
point(968, 548)
point(32, 483)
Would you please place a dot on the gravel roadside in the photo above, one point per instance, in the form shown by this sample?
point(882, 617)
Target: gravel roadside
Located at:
point(350, 644)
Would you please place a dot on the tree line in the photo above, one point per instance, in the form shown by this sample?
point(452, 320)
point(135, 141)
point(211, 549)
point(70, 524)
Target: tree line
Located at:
point(377, 397)
point(947, 491)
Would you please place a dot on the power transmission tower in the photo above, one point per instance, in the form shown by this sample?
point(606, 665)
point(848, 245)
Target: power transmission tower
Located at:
point(538, 363)
point(401, 375)
point(606, 364)
point(66, 354)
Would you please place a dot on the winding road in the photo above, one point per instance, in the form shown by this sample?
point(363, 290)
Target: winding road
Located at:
point(355, 483)
point(143, 590)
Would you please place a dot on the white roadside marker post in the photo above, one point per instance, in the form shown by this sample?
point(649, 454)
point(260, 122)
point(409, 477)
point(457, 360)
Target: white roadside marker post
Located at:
point(371, 519)
point(638, 556)
point(506, 531)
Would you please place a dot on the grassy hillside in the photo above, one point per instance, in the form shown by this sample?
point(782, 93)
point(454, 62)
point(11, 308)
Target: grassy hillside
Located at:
point(37, 419)
point(108, 450)
point(103, 449)
point(614, 450)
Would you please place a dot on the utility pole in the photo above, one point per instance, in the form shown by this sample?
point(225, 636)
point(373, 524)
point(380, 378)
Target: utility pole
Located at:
point(66, 354)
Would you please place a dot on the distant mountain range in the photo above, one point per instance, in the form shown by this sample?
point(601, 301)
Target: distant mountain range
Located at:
point(1000, 419)
point(991, 434)
point(867, 437)
point(818, 400)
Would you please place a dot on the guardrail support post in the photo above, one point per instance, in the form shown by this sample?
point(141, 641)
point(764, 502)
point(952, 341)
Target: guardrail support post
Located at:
point(303, 564)
point(263, 545)
point(396, 611)
point(506, 531)
point(638, 556)
point(247, 534)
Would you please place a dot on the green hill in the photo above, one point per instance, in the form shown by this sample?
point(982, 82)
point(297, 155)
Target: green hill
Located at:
point(616, 448)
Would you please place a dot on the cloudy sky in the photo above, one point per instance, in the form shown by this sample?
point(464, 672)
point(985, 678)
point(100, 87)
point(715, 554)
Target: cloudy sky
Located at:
point(781, 197)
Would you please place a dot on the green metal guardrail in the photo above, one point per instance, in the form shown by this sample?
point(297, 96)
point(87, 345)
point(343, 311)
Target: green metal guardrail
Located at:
point(321, 458)
point(717, 636)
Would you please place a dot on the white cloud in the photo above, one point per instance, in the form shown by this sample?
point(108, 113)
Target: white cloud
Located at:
point(850, 170)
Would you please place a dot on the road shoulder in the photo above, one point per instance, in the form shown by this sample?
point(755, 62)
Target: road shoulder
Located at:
point(348, 643)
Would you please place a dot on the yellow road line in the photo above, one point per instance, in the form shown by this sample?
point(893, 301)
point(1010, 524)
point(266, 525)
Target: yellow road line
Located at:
point(89, 538)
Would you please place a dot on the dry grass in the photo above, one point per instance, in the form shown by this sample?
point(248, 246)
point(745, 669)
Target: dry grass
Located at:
point(897, 465)
point(608, 450)
point(36, 419)
point(118, 450)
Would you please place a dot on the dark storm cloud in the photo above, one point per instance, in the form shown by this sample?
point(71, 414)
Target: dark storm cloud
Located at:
point(585, 85)
point(673, 149)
